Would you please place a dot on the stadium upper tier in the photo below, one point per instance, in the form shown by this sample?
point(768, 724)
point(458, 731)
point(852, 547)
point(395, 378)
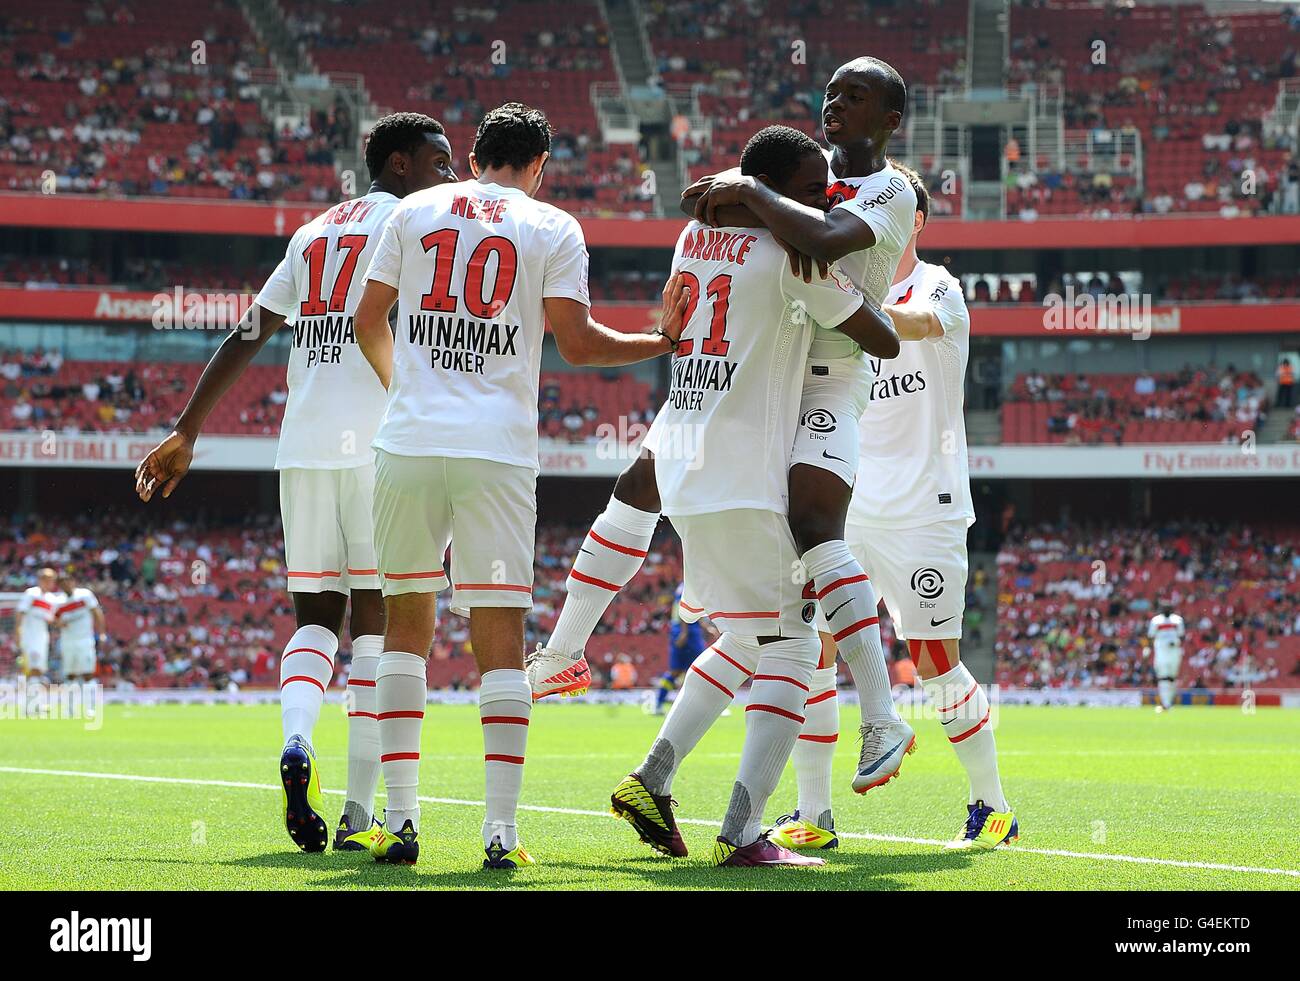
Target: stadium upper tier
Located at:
point(1074, 604)
point(179, 98)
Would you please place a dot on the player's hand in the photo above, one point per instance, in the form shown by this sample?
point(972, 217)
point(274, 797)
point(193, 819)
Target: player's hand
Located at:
point(802, 265)
point(677, 297)
point(725, 189)
point(705, 182)
point(164, 467)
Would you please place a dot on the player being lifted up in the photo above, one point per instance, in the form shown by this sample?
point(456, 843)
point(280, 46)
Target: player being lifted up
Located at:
point(326, 467)
point(867, 228)
point(1165, 632)
point(909, 533)
point(475, 268)
point(721, 446)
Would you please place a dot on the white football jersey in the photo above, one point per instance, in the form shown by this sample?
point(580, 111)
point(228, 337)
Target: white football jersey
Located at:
point(472, 263)
point(36, 608)
point(723, 438)
point(1166, 633)
point(913, 467)
point(335, 397)
point(885, 201)
point(75, 619)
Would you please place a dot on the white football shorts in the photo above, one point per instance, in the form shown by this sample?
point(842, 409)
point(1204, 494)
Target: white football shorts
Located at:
point(328, 529)
point(835, 394)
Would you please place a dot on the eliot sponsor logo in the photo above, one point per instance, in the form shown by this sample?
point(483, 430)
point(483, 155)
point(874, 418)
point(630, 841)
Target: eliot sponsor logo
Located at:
point(102, 934)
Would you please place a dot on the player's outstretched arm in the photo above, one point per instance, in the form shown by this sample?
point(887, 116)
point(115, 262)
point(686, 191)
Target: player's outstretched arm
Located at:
point(168, 462)
point(824, 235)
point(872, 331)
point(914, 323)
point(370, 322)
point(584, 341)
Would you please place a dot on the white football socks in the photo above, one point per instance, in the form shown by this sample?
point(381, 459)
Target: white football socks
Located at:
point(773, 718)
point(849, 603)
point(400, 698)
point(610, 556)
point(964, 713)
point(1167, 691)
point(707, 689)
point(814, 751)
point(505, 702)
point(363, 731)
point(305, 672)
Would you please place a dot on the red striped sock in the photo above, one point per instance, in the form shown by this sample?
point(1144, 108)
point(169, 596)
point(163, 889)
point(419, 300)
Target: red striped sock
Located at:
point(505, 703)
point(964, 711)
point(400, 697)
point(305, 672)
point(610, 556)
point(814, 750)
point(363, 730)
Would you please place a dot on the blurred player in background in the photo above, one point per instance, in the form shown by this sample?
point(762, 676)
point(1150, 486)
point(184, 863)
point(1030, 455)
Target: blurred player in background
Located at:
point(686, 642)
point(326, 467)
point(721, 446)
point(1166, 631)
point(907, 525)
point(36, 610)
point(81, 621)
point(476, 269)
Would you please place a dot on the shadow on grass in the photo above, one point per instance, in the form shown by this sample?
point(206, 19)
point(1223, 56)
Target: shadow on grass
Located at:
point(853, 871)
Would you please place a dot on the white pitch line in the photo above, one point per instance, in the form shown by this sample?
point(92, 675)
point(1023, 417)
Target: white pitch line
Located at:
point(577, 812)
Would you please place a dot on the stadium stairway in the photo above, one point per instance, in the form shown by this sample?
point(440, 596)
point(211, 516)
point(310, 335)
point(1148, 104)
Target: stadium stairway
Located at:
point(983, 427)
point(986, 51)
point(1276, 427)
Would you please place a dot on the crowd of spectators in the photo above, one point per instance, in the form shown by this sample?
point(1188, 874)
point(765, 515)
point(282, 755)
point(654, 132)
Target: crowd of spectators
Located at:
point(1097, 408)
point(1074, 603)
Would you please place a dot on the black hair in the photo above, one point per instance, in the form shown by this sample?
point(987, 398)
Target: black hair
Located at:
point(512, 135)
point(892, 84)
point(918, 185)
point(777, 152)
point(398, 131)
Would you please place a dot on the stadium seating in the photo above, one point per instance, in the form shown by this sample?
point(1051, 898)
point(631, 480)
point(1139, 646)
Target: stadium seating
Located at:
point(115, 98)
point(1192, 406)
point(1074, 603)
point(190, 605)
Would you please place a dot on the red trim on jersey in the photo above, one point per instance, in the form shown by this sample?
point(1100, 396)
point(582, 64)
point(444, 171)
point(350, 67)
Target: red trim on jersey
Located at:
point(302, 677)
point(415, 575)
point(721, 687)
point(41, 603)
point(846, 581)
point(593, 581)
point(404, 714)
point(310, 650)
point(820, 698)
point(774, 709)
point(390, 757)
point(333, 574)
point(71, 607)
point(970, 732)
point(502, 758)
point(781, 677)
point(489, 586)
point(853, 628)
point(503, 720)
point(820, 739)
point(363, 572)
point(688, 608)
point(1167, 626)
point(639, 553)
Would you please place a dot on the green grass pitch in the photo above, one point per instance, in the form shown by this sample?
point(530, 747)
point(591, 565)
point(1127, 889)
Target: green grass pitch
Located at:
point(1215, 788)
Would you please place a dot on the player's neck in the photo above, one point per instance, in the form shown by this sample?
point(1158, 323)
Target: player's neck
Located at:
point(906, 265)
point(858, 160)
point(390, 183)
point(504, 177)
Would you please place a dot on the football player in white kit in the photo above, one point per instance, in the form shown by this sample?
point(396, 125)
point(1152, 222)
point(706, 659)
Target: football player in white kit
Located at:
point(81, 620)
point(907, 525)
point(720, 448)
point(326, 467)
point(35, 612)
point(1166, 631)
point(476, 269)
point(867, 230)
